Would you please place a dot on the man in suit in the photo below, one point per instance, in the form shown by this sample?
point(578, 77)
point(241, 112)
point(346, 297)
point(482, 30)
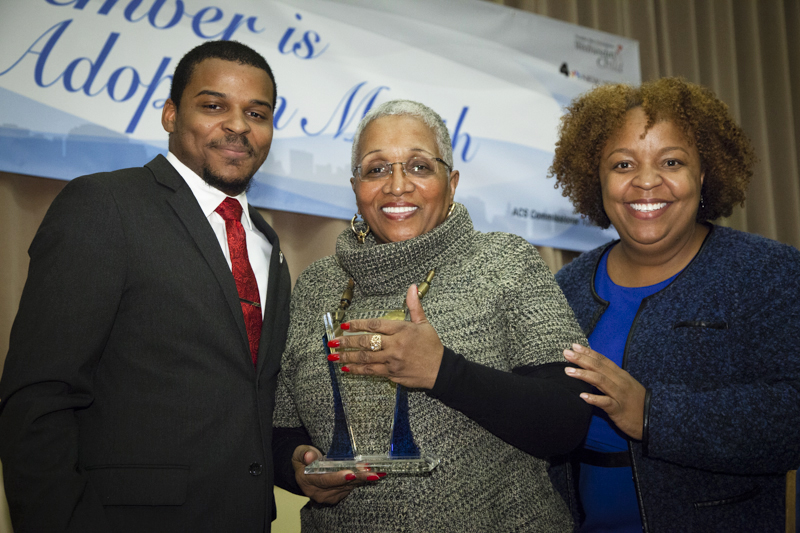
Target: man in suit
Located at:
point(139, 385)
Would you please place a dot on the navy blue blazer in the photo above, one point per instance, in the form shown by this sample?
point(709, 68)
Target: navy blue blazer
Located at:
point(717, 351)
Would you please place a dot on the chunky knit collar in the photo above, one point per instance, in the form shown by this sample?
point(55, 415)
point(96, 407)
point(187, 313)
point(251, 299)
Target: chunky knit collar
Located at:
point(379, 269)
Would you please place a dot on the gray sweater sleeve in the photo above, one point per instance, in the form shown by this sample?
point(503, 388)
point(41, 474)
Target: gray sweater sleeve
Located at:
point(536, 408)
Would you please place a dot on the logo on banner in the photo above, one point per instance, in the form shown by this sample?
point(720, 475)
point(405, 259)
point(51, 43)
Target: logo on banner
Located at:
point(609, 55)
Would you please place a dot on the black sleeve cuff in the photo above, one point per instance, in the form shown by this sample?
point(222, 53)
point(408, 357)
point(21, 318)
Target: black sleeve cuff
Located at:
point(452, 364)
point(284, 442)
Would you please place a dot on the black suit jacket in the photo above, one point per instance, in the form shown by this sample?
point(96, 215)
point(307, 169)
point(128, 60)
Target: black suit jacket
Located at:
point(129, 399)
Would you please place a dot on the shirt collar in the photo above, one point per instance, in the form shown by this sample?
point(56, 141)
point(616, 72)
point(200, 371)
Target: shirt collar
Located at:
point(207, 196)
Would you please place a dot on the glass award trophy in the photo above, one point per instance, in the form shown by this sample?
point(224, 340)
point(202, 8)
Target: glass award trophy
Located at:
point(371, 422)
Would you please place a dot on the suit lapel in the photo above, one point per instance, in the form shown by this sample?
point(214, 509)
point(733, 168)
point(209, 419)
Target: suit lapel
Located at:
point(188, 210)
point(278, 274)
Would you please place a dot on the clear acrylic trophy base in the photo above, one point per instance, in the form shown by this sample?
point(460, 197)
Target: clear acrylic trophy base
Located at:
point(375, 463)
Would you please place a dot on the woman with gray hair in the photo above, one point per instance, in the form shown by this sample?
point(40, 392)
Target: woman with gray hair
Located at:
point(481, 359)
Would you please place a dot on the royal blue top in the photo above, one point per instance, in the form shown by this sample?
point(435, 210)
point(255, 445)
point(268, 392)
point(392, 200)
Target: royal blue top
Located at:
point(607, 494)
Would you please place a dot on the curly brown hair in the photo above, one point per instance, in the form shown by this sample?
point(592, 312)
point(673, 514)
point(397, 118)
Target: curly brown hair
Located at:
point(726, 154)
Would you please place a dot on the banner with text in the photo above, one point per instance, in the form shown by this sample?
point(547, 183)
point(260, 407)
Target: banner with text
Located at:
point(84, 82)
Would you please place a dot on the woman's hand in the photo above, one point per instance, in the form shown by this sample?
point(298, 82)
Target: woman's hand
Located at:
point(327, 488)
point(624, 396)
point(410, 352)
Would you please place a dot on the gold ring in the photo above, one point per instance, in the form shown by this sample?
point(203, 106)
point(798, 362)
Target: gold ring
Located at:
point(375, 343)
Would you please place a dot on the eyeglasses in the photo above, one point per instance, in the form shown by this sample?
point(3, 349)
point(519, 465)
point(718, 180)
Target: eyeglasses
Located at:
point(417, 167)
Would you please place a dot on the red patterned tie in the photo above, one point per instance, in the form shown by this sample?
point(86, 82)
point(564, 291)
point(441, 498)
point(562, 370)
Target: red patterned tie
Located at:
point(231, 210)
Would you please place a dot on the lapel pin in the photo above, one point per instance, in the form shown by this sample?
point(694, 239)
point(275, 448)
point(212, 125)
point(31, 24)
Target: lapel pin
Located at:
point(280, 254)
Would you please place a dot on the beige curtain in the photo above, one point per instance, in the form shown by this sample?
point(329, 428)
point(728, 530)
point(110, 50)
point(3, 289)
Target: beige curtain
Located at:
point(747, 51)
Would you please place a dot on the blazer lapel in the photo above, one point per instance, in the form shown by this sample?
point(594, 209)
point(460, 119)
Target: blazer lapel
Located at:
point(188, 210)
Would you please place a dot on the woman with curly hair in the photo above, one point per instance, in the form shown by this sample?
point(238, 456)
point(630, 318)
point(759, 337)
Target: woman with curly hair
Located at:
point(697, 401)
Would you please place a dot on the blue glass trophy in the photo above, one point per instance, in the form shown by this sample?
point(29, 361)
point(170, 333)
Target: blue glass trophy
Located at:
point(372, 428)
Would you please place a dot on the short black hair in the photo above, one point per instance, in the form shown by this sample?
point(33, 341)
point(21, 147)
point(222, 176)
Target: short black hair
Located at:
point(225, 50)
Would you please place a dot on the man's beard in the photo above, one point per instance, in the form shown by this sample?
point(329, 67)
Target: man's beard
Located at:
point(229, 187)
point(235, 187)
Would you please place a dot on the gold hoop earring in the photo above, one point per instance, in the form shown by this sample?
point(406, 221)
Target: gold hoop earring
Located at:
point(360, 235)
point(450, 211)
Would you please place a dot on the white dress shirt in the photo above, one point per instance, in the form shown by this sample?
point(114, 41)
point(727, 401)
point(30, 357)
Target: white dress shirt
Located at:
point(259, 249)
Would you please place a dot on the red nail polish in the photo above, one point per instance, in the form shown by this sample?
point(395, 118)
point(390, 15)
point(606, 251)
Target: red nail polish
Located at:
point(381, 474)
point(333, 357)
point(345, 369)
point(333, 344)
point(345, 326)
point(373, 477)
point(350, 477)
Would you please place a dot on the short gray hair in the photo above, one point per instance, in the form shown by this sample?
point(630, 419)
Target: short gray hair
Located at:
point(413, 109)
